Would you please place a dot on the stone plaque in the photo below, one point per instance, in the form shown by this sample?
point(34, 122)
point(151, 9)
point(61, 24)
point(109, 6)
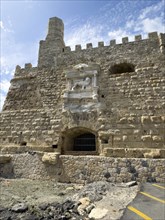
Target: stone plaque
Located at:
point(81, 92)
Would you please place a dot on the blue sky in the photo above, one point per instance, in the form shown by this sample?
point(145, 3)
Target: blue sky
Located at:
point(24, 23)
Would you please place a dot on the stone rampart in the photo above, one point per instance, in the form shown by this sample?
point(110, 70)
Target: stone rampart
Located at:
point(83, 169)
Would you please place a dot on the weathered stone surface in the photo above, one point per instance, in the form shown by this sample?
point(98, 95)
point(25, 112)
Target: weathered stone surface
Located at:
point(5, 158)
point(20, 207)
point(51, 158)
point(155, 153)
point(84, 204)
point(98, 213)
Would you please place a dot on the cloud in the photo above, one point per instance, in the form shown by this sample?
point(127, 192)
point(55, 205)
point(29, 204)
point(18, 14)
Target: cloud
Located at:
point(86, 33)
point(151, 10)
point(149, 25)
point(4, 28)
point(119, 34)
point(4, 85)
point(13, 53)
point(109, 22)
point(1, 25)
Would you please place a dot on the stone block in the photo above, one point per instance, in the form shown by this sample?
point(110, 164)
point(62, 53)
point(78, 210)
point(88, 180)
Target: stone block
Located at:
point(89, 45)
point(153, 35)
point(33, 140)
point(5, 158)
point(125, 40)
point(156, 119)
point(112, 42)
point(145, 120)
point(67, 49)
point(138, 37)
point(2, 133)
point(48, 140)
point(50, 158)
point(146, 138)
point(123, 120)
point(28, 65)
point(157, 138)
point(50, 132)
point(155, 153)
point(125, 138)
point(101, 44)
point(78, 47)
point(117, 152)
point(26, 133)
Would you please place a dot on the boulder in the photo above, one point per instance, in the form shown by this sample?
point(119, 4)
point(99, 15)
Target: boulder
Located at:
point(50, 158)
point(20, 207)
point(98, 213)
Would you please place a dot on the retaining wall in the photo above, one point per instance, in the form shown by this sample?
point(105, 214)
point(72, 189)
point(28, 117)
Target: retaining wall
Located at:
point(83, 169)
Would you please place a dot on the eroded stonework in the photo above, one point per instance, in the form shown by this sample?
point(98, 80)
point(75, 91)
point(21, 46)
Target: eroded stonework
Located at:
point(106, 101)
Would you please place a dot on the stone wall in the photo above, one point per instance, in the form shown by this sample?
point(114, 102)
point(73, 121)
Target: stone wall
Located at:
point(83, 169)
point(128, 109)
point(27, 165)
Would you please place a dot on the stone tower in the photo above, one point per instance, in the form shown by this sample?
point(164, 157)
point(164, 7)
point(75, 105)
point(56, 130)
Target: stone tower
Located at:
point(53, 44)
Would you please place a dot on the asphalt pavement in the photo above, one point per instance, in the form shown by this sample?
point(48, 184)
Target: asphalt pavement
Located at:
point(149, 204)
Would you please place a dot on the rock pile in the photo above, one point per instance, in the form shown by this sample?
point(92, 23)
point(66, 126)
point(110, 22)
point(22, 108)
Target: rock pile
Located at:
point(67, 210)
point(81, 205)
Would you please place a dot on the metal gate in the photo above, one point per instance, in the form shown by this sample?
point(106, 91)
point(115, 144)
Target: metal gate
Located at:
point(85, 142)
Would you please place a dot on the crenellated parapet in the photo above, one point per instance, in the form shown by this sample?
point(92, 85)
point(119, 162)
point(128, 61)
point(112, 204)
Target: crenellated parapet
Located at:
point(153, 36)
point(27, 71)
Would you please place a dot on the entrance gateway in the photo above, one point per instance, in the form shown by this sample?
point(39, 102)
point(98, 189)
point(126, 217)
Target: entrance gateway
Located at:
point(79, 141)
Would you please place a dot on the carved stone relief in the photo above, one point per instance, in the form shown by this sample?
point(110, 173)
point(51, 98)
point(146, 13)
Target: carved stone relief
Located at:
point(81, 94)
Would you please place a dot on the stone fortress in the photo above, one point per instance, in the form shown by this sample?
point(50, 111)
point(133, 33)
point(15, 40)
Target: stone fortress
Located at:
point(95, 109)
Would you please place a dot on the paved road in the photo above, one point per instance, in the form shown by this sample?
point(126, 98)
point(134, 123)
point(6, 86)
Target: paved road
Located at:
point(149, 204)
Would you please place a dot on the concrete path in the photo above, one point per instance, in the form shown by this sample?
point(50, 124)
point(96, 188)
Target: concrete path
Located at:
point(149, 204)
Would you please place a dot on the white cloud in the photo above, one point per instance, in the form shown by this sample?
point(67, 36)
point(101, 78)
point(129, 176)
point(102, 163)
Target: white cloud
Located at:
point(152, 9)
point(4, 85)
point(1, 25)
point(119, 34)
point(4, 28)
point(13, 53)
point(130, 24)
point(85, 34)
point(150, 24)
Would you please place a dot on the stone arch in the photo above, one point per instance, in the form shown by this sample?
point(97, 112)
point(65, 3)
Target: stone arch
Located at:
point(122, 68)
point(79, 141)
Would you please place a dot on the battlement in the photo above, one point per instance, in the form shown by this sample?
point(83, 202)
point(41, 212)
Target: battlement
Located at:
point(53, 46)
point(28, 70)
point(153, 36)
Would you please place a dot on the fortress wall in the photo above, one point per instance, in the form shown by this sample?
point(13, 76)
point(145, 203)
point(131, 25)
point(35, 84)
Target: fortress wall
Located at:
point(31, 127)
point(133, 51)
point(92, 168)
point(132, 112)
point(133, 116)
point(84, 169)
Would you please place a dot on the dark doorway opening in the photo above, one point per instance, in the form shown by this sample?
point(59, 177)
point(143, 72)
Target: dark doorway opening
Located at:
point(84, 142)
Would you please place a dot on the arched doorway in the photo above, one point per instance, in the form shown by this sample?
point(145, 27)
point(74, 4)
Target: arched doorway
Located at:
point(79, 141)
